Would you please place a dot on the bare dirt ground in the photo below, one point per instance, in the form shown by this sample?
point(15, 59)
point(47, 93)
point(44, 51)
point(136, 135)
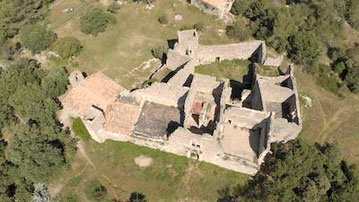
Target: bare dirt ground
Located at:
point(143, 161)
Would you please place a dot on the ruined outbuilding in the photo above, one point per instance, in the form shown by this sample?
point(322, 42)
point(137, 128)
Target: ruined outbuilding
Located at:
point(191, 114)
point(220, 8)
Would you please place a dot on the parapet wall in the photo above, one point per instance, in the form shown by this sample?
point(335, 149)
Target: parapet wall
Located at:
point(244, 51)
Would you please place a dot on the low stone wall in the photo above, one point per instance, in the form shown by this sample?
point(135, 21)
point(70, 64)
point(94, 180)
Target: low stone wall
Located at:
point(244, 51)
point(208, 8)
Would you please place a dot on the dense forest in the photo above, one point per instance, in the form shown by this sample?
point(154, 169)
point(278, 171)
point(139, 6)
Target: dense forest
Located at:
point(34, 146)
point(307, 31)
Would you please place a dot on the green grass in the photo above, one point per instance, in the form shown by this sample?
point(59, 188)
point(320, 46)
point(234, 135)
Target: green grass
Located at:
point(169, 178)
point(331, 118)
point(80, 130)
point(230, 69)
point(267, 70)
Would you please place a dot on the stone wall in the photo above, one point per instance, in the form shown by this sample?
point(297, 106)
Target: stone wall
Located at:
point(256, 99)
point(244, 51)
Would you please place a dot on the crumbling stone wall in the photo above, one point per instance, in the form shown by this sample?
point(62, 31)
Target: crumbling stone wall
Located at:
point(245, 50)
point(208, 8)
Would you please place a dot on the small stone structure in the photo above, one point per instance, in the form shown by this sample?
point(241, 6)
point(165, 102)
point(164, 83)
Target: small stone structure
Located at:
point(219, 8)
point(191, 114)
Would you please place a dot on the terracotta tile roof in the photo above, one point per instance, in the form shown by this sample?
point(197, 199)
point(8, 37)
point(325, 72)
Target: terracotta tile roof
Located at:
point(121, 117)
point(97, 89)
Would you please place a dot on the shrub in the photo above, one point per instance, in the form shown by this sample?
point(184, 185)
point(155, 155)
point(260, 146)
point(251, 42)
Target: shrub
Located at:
point(353, 13)
point(163, 19)
point(96, 191)
point(113, 8)
point(37, 37)
point(80, 130)
point(239, 6)
point(159, 52)
point(238, 30)
point(198, 26)
point(67, 47)
point(339, 67)
point(94, 21)
point(137, 197)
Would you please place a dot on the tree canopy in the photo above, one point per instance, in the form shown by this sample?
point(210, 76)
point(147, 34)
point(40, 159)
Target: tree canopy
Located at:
point(67, 47)
point(94, 21)
point(298, 171)
point(37, 37)
point(36, 146)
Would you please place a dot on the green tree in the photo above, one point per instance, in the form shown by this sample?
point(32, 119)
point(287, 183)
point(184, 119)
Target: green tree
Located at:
point(304, 48)
point(240, 6)
point(38, 152)
point(298, 171)
point(37, 37)
point(67, 47)
point(94, 21)
point(55, 82)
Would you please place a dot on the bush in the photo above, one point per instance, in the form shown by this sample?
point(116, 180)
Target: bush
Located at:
point(68, 47)
point(37, 37)
point(198, 26)
point(239, 6)
point(94, 21)
point(238, 30)
point(163, 19)
point(339, 67)
point(353, 13)
point(113, 8)
point(159, 52)
point(137, 197)
point(96, 191)
point(80, 130)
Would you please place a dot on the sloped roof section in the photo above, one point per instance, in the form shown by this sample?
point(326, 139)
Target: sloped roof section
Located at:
point(121, 117)
point(97, 90)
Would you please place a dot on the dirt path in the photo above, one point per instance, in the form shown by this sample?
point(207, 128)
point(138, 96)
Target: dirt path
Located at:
point(55, 3)
point(56, 189)
point(83, 152)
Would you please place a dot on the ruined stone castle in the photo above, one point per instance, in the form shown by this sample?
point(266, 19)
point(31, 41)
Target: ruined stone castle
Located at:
point(190, 114)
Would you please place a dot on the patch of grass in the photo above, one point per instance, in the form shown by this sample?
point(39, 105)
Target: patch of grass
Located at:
point(96, 191)
point(230, 69)
point(80, 130)
point(169, 178)
point(331, 118)
point(267, 70)
point(76, 180)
